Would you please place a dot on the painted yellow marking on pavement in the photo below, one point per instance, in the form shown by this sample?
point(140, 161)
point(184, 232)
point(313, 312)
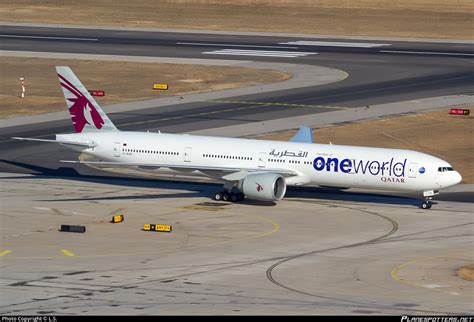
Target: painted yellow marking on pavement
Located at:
point(67, 253)
point(117, 211)
point(396, 270)
point(190, 115)
point(278, 104)
point(346, 75)
point(253, 106)
point(207, 208)
point(82, 158)
point(275, 228)
point(5, 252)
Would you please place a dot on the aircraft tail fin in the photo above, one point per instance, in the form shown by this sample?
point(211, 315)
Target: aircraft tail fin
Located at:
point(86, 114)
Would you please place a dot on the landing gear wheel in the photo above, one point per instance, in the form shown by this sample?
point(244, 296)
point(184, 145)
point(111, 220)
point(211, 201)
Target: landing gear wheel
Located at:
point(218, 196)
point(425, 205)
point(234, 197)
point(225, 196)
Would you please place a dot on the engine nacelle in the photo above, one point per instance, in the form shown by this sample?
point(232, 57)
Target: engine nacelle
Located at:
point(263, 186)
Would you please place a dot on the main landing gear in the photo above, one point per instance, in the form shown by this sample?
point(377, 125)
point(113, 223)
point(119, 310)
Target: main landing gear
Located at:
point(229, 196)
point(230, 193)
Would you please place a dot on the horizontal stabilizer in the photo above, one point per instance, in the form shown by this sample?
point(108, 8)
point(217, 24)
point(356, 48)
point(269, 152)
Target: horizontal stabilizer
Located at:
point(90, 145)
point(304, 135)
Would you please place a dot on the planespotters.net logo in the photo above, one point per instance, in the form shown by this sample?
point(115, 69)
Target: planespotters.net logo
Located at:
point(437, 318)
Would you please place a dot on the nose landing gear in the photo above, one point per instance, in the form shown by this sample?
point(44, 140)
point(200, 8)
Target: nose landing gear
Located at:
point(428, 195)
point(426, 204)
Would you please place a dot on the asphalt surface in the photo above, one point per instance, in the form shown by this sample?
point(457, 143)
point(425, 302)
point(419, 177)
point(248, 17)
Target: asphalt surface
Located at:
point(316, 252)
point(319, 251)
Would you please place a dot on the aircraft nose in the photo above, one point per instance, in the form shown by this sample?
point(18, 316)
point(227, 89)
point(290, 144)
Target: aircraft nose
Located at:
point(457, 178)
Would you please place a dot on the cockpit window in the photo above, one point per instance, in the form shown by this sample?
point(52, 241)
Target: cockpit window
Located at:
point(444, 169)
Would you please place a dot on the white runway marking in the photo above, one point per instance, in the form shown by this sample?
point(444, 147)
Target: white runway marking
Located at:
point(44, 37)
point(422, 52)
point(227, 45)
point(42, 208)
point(334, 44)
point(262, 53)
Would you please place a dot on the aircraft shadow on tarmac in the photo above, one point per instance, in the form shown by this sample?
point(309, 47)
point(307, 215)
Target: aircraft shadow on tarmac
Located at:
point(206, 189)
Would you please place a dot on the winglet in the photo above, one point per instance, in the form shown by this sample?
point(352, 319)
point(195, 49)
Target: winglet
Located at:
point(304, 135)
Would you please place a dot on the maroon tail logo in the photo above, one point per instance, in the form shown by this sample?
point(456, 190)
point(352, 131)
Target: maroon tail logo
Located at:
point(82, 110)
point(259, 187)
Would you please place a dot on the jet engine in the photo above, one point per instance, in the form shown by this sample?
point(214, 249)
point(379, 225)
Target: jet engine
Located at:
point(263, 186)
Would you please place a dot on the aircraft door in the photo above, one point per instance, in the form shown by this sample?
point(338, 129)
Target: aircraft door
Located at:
point(187, 154)
point(117, 149)
point(412, 170)
point(261, 159)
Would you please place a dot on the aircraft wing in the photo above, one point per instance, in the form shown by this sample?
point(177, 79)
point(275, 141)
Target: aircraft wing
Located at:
point(228, 173)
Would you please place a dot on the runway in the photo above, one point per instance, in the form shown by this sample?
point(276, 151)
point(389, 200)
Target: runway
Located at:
point(316, 252)
point(375, 77)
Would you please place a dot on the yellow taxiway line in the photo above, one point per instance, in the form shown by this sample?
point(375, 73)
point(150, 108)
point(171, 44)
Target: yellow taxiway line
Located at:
point(278, 104)
point(67, 253)
point(5, 252)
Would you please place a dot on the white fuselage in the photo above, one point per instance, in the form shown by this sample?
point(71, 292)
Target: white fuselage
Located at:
point(317, 164)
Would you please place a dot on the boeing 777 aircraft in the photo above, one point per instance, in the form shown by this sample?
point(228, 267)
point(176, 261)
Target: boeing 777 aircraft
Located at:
point(255, 169)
